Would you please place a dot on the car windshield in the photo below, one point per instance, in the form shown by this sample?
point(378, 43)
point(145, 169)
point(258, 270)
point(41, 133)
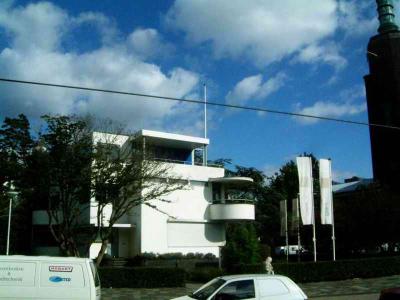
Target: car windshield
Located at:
point(208, 289)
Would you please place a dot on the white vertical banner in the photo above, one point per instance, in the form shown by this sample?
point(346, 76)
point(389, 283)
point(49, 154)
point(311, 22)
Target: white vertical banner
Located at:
point(325, 182)
point(304, 169)
point(295, 216)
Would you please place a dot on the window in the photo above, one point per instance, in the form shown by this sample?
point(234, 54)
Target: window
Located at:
point(242, 289)
point(216, 191)
point(272, 287)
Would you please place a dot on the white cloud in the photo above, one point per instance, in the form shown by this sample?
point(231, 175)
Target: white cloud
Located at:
point(253, 88)
point(354, 18)
point(327, 54)
point(147, 43)
point(35, 52)
point(260, 31)
point(329, 109)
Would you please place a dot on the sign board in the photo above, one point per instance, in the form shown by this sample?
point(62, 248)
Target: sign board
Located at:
point(17, 273)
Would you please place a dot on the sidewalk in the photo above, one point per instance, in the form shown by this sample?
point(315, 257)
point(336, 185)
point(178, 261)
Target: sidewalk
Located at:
point(315, 289)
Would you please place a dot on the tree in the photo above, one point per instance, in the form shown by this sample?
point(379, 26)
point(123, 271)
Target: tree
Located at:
point(66, 158)
point(242, 245)
point(15, 147)
point(124, 177)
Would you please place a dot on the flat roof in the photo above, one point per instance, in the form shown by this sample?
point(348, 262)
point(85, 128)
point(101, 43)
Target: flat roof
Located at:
point(43, 258)
point(351, 186)
point(232, 180)
point(172, 139)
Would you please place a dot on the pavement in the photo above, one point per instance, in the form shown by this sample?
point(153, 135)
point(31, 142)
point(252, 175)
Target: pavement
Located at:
point(357, 289)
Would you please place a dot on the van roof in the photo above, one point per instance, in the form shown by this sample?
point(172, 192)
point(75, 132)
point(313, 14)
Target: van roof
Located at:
point(43, 258)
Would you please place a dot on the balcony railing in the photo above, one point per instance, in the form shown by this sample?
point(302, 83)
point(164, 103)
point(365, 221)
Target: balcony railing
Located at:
point(233, 201)
point(173, 161)
point(185, 162)
point(232, 209)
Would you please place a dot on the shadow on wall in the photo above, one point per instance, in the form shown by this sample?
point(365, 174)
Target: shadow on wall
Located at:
point(214, 232)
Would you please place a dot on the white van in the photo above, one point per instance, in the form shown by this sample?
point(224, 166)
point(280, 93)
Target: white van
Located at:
point(45, 277)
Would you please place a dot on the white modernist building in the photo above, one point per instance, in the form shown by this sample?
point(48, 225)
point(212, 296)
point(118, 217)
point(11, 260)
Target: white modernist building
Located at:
point(194, 218)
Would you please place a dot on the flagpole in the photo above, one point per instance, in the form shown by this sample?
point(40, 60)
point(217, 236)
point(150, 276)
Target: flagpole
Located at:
point(313, 213)
point(298, 228)
point(205, 158)
point(333, 216)
point(205, 111)
point(286, 232)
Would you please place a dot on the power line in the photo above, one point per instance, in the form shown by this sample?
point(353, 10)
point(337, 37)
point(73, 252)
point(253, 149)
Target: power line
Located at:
point(260, 109)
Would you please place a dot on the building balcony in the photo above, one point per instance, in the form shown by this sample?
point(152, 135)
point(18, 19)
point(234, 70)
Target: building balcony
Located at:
point(232, 210)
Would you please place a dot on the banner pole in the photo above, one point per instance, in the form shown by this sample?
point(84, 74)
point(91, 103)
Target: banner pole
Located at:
point(286, 232)
point(332, 212)
point(315, 242)
point(313, 212)
point(298, 229)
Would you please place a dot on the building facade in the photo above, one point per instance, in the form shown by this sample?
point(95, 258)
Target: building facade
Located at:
point(383, 96)
point(193, 219)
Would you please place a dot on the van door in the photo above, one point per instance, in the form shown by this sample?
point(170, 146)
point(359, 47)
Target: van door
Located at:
point(58, 279)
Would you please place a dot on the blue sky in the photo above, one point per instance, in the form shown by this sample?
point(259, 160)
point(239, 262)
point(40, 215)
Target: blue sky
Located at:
point(304, 56)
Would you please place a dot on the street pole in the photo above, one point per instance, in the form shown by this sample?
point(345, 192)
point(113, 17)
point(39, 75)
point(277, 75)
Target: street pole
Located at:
point(9, 226)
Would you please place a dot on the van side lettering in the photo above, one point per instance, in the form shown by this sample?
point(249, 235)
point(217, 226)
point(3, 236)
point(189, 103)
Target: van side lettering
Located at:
point(60, 268)
point(59, 279)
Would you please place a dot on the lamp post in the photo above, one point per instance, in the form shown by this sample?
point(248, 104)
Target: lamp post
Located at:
point(11, 193)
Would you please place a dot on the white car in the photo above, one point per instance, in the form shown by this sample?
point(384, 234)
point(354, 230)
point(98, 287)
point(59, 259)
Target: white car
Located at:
point(248, 287)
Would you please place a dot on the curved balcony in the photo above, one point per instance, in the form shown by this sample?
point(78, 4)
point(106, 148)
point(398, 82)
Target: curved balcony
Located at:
point(231, 210)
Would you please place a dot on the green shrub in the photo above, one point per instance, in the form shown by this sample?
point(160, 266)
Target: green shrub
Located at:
point(209, 256)
point(204, 274)
point(247, 269)
point(339, 270)
point(206, 264)
point(172, 255)
point(141, 277)
point(136, 261)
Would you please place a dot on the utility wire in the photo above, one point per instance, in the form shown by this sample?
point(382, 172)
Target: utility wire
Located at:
point(260, 109)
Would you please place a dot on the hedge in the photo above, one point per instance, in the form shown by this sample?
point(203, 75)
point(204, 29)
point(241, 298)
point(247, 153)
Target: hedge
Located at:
point(319, 271)
point(339, 270)
point(203, 275)
point(141, 277)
